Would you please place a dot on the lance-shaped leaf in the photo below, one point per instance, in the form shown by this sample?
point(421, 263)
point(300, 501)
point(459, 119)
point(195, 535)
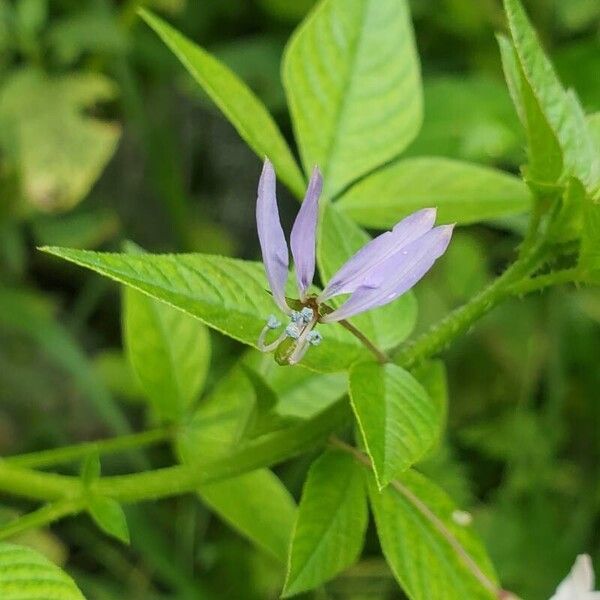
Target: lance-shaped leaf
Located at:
point(235, 100)
point(398, 420)
point(352, 79)
point(109, 516)
point(340, 238)
point(431, 554)
point(560, 108)
point(258, 505)
point(43, 579)
point(462, 193)
point(228, 295)
point(545, 159)
point(168, 350)
point(331, 524)
point(589, 258)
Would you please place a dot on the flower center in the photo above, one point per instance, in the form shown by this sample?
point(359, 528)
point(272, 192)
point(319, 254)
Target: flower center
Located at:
point(294, 341)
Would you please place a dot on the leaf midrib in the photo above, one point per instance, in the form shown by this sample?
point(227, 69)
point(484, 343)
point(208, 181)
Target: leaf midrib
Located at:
point(348, 85)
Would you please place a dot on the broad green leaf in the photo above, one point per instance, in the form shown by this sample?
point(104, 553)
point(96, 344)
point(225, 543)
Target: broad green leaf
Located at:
point(226, 294)
point(235, 100)
point(431, 374)
point(43, 579)
point(332, 518)
point(220, 421)
point(469, 117)
point(589, 259)
point(352, 79)
point(593, 122)
point(561, 108)
point(462, 193)
point(264, 417)
point(217, 426)
point(543, 149)
point(301, 393)
point(432, 556)
point(57, 149)
point(168, 350)
point(398, 420)
point(109, 516)
point(339, 239)
point(258, 505)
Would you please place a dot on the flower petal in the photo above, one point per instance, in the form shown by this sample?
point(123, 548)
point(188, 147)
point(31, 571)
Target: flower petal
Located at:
point(396, 275)
point(304, 234)
point(352, 274)
point(579, 583)
point(270, 234)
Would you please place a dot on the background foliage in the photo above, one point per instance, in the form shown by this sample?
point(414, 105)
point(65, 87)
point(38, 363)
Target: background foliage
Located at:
point(104, 138)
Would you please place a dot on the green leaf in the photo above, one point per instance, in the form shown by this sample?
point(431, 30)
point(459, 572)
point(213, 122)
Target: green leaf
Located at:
point(257, 505)
point(339, 239)
point(352, 79)
point(468, 116)
point(226, 294)
point(43, 578)
point(560, 108)
point(264, 417)
point(109, 516)
point(593, 122)
point(57, 149)
point(235, 100)
point(543, 149)
point(589, 258)
point(169, 352)
point(302, 393)
point(331, 524)
point(431, 374)
point(432, 556)
point(462, 192)
point(398, 421)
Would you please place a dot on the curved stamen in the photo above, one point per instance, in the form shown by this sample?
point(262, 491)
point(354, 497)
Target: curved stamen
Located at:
point(272, 323)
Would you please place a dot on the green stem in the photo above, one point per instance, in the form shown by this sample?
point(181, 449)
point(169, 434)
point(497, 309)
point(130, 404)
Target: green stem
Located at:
point(534, 284)
point(459, 320)
point(57, 456)
point(43, 516)
point(172, 481)
point(37, 486)
point(381, 356)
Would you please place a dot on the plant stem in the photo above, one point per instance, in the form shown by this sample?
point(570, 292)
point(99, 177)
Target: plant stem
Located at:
point(172, 481)
point(459, 320)
point(43, 516)
point(526, 286)
point(56, 456)
point(37, 486)
point(381, 356)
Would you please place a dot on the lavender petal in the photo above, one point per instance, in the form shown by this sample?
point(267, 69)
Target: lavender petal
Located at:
point(352, 274)
point(304, 234)
point(270, 234)
point(396, 275)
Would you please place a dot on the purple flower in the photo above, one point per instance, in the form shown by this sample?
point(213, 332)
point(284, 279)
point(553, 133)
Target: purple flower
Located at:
point(381, 271)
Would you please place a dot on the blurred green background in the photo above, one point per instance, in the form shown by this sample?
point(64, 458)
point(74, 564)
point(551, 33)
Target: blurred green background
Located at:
point(104, 137)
